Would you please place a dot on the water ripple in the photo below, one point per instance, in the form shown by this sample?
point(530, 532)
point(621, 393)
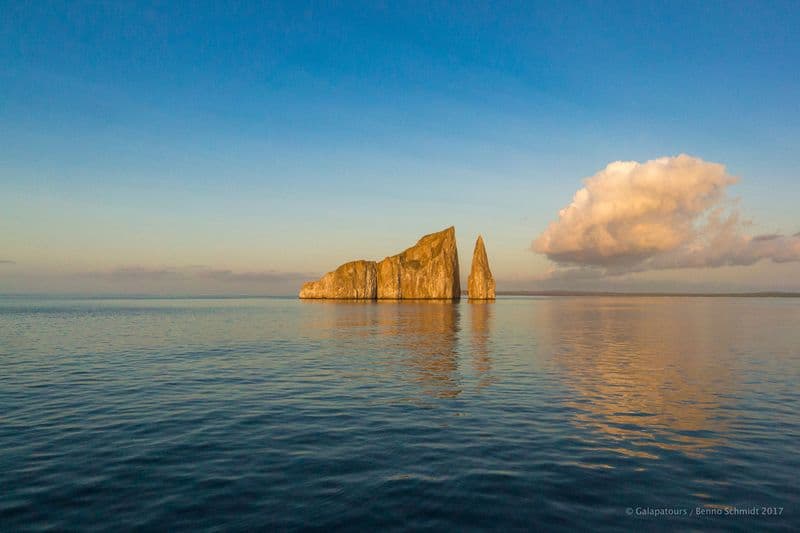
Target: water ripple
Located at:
point(537, 413)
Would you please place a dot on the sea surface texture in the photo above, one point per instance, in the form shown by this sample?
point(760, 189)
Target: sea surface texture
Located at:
point(553, 414)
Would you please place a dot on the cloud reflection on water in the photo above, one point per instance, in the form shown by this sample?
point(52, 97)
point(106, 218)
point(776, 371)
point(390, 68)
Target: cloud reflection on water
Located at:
point(646, 375)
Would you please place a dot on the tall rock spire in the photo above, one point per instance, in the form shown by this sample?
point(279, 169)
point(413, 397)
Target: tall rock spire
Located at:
point(480, 284)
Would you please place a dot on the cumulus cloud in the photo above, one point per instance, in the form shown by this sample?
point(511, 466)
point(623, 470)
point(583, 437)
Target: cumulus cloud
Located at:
point(666, 213)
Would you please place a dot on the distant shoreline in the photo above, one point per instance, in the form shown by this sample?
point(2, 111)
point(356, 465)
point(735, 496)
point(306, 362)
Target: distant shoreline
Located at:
point(763, 294)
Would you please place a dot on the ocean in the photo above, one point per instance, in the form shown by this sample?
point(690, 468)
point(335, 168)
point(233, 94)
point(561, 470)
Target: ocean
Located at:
point(547, 413)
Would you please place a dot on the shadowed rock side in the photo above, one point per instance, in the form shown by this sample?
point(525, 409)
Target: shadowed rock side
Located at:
point(480, 284)
point(353, 280)
point(427, 270)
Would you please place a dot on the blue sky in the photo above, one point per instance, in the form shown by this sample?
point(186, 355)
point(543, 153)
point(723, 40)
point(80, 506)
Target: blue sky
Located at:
point(274, 141)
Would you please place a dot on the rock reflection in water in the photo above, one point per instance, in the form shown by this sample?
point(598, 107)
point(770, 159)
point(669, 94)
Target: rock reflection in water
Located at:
point(416, 338)
point(425, 333)
point(480, 329)
point(652, 382)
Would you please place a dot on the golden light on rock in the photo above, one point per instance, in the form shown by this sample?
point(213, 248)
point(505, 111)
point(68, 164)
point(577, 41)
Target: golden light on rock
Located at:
point(426, 271)
point(480, 284)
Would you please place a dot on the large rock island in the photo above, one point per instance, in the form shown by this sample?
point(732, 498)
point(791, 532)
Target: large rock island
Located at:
point(428, 270)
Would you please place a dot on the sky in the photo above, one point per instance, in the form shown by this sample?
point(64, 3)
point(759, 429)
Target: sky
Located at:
point(242, 148)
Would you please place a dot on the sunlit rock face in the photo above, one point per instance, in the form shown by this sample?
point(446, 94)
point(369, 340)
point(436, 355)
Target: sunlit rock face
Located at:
point(389, 278)
point(427, 270)
point(353, 280)
point(480, 283)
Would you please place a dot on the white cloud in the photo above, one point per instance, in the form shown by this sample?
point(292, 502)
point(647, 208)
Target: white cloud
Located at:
point(666, 213)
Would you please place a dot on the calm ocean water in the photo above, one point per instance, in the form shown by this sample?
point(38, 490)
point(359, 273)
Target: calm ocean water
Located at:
point(547, 413)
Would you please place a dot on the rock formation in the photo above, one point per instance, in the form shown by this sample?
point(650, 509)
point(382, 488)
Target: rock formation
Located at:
point(427, 270)
point(353, 280)
point(480, 284)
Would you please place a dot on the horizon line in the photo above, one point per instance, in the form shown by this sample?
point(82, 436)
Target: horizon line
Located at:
point(549, 293)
